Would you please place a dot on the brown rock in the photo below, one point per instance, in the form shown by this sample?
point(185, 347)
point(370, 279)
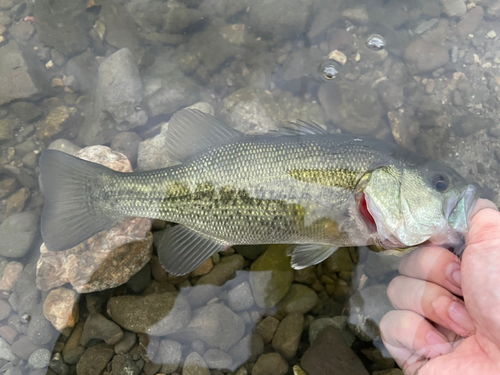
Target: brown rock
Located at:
point(72, 351)
point(266, 328)
point(421, 57)
point(7, 187)
point(107, 259)
point(470, 22)
point(57, 120)
point(270, 364)
point(16, 201)
point(61, 309)
point(204, 268)
point(10, 274)
point(287, 337)
point(94, 360)
point(9, 334)
point(330, 355)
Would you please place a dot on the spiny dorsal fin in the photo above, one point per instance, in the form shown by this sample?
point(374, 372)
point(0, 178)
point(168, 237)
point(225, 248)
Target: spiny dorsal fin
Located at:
point(191, 132)
point(309, 254)
point(182, 250)
point(299, 128)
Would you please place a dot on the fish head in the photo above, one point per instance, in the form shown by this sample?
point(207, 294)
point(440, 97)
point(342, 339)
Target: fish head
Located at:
point(408, 206)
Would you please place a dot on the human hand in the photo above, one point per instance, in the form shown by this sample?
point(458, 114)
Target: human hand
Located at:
point(432, 331)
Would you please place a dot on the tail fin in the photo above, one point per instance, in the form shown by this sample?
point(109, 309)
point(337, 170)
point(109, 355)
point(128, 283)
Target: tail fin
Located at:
point(68, 216)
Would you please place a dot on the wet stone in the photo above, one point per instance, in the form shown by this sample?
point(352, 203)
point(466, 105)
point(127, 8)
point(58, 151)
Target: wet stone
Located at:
point(454, 8)
point(128, 144)
point(217, 359)
point(123, 364)
point(287, 336)
point(329, 355)
point(17, 201)
point(72, 350)
point(240, 297)
point(299, 299)
point(6, 351)
point(7, 129)
point(17, 233)
point(57, 121)
point(195, 365)
point(169, 355)
point(40, 330)
point(357, 15)
point(141, 279)
point(65, 146)
point(249, 348)
point(270, 364)
point(100, 328)
point(126, 343)
point(22, 31)
point(9, 334)
point(271, 276)
point(23, 348)
point(156, 314)
point(39, 359)
point(94, 360)
point(339, 322)
point(470, 22)
point(267, 328)
point(57, 365)
point(26, 111)
point(7, 186)
point(5, 309)
point(421, 57)
point(61, 309)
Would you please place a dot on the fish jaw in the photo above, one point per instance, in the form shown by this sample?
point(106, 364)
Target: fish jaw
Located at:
point(458, 209)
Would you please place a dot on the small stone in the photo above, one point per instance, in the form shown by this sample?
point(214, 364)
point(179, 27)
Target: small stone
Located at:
point(329, 355)
point(169, 355)
point(26, 111)
point(40, 330)
point(65, 146)
point(57, 365)
point(9, 334)
point(21, 31)
point(61, 309)
point(216, 325)
point(7, 187)
point(5, 309)
point(271, 276)
point(249, 348)
point(357, 15)
point(156, 314)
point(454, 8)
point(240, 297)
point(287, 336)
point(126, 343)
point(339, 322)
point(58, 120)
point(23, 347)
point(124, 364)
point(217, 359)
point(470, 22)
point(195, 365)
point(98, 327)
point(491, 34)
point(6, 351)
point(338, 56)
point(128, 144)
point(421, 57)
point(204, 268)
point(16, 203)
point(94, 359)
point(267, 328)
point(141, 279)
point(270, 364)
point(299, 299)
point(72, 350)
point(17, 233)
point(39, 359)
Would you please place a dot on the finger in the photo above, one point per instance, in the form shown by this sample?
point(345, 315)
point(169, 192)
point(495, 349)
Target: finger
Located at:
point(410, 338)
point(484, 223)
point(434, 264)
point(432, 302)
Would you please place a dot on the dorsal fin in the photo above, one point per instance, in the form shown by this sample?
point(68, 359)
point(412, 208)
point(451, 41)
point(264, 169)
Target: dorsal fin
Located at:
point(192, 132)
point(299, 128)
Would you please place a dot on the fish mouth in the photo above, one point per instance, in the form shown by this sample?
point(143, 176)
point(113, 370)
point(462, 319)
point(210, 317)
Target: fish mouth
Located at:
point(458, 209)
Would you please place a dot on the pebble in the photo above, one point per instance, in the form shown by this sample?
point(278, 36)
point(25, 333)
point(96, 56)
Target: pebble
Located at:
point(39, 359)
point(141, 279)
point(169, 355)
point(195, 365)
point(6, 351)
point(61, 309)
point(94, 359)
point(17, 232)
point(7, 187)
point(23, 347)
point(421, 57)
point(72, 350)
point(240, 297)
point(203, 268)
point(57, 365)
point(271, 276)
point(470, 22)
point(454, 8)
point(8, 333)
point(357, 15)
point(340, 261)
point(124, 364)
point(491, 34)
point(126, 343)
point(330, 355)
point(266, 328)
point(40, 330)
point(128, 144)
point(249, 348)
point(216, 325)
point(5, 309)
point(217, 359)
point(339, 322)
point(287, 337)
point(270, 364)
point(166, 313)
point(65, 146)
point(15, 204)
point(98, 327)
point(299, 299)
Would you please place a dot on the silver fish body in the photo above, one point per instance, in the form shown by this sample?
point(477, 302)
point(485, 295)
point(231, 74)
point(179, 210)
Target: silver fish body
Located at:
point(305, 187)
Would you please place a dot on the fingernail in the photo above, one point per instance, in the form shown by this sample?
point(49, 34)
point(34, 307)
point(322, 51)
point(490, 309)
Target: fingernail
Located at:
point(454, 275)
point(460, 315)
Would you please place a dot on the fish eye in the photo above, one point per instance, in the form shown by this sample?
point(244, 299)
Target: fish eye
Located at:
point(440, 182)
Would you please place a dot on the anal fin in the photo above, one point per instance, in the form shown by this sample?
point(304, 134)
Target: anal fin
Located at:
point(309, 254)
point(182, 250)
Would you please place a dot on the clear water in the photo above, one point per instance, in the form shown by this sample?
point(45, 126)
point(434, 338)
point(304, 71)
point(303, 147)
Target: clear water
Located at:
point(423, 74)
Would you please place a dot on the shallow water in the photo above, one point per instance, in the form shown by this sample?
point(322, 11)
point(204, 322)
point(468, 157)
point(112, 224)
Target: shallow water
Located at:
point(423, 74)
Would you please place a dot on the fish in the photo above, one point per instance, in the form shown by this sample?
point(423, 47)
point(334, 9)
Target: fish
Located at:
point(299, 185)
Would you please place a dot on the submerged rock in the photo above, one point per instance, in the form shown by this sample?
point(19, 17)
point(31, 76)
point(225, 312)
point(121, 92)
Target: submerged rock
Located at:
point(287, 336)
point(94, 359)
point(195, 365)
point(421, 57)
point(156, 314)
point(107, 259)
point(100, 328)
point(61, 309)
point(17, 233)
point(270, 364)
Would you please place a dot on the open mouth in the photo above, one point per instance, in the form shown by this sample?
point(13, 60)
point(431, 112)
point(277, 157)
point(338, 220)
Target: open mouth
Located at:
point(365, 213)
point(458, 209)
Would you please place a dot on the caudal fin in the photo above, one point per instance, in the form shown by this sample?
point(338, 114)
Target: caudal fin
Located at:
point(69, 216)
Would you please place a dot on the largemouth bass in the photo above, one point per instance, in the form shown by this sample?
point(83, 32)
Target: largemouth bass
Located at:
point(299, 186)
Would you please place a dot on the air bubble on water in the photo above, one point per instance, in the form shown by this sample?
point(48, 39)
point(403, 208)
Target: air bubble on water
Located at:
point(376, 42)
point(329, 70)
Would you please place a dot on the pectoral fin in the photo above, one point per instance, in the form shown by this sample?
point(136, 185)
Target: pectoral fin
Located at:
point(182, 249)
point(309, 254)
